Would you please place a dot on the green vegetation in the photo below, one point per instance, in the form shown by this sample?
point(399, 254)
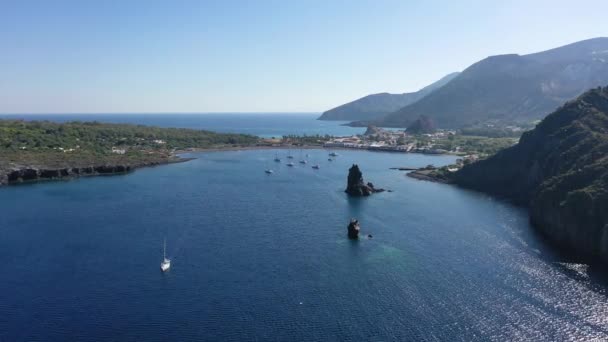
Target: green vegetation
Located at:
point(307, 139)
point(497, 131)
point(85, 143)
point(464, 144)
point(560, 170)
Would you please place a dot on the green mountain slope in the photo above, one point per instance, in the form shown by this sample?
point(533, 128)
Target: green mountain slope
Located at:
point(559, 170)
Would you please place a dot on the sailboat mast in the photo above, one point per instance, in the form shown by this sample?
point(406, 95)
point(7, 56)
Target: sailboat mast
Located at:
point(164, 248)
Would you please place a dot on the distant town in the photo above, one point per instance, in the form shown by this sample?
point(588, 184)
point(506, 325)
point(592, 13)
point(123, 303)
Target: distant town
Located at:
point(470, 147)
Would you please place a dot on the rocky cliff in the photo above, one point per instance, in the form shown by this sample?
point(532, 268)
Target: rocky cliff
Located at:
point(560, 171)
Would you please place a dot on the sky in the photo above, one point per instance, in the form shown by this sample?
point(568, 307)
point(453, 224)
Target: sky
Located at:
point(130, 56)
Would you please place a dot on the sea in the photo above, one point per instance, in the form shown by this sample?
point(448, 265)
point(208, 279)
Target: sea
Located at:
point(265, 257)
point(265, 125)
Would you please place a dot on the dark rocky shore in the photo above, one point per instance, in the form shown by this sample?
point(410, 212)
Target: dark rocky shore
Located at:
point(559, 170)
point(25, 174)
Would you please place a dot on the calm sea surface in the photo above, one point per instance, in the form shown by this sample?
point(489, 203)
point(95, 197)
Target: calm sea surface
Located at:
point(261, 124)
point(265, 257)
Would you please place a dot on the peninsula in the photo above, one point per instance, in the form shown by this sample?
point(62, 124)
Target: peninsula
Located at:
point(42, 150)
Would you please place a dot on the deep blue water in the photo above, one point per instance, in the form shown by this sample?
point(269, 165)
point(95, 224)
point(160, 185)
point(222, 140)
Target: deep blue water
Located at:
point(261, 124)
point(258, 257)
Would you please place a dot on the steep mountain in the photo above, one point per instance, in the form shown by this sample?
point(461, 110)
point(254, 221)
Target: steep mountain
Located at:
point(560, 170)
point(511, 88)
point(375, 106)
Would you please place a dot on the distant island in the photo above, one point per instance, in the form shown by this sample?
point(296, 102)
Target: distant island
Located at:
point(559, 170)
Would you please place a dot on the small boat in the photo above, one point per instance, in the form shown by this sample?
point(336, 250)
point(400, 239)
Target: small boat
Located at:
point(333, 154)
point(302, 161)
point(289, 156)
point(290, 164)
point(316, 166)
point(276, 158)
point(166, 263)
point(330, 159)
point(268, 171)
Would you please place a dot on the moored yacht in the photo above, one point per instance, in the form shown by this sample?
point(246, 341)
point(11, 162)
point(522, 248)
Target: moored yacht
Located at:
point(166, 263)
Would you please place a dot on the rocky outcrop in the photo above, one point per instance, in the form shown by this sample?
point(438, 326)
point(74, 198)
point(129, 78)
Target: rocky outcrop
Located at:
point(353, 229)
point(372, 130)
point(32, 174)
point(560, 171)
point(355, 186)
point(422, 125)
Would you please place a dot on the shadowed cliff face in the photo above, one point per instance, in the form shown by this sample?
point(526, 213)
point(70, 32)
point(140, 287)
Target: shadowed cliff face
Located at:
point(559, 170)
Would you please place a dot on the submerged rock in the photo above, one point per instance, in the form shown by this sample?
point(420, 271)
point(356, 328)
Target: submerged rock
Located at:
point(355, 186)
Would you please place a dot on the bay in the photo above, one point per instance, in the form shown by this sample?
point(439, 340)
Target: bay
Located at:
point(265, 257)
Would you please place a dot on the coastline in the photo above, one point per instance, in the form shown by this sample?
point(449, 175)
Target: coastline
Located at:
point(33, 173)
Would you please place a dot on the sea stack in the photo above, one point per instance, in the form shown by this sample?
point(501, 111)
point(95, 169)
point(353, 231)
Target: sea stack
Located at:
point(353, 229)
point(355, 186)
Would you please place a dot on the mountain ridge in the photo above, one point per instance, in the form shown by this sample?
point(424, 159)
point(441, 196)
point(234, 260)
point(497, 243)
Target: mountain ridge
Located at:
point(374, 106)
point(511, 87)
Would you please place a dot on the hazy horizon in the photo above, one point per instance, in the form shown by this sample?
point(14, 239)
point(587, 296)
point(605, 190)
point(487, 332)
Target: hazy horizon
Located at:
point(269, 57)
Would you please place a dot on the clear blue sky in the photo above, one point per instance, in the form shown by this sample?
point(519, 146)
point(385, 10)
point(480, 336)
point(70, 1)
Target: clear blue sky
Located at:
point(256, 56)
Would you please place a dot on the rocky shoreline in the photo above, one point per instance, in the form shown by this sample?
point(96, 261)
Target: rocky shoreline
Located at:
point(427, 175)
point(29, 174)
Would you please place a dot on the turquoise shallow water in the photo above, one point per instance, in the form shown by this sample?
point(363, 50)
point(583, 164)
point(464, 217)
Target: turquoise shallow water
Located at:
point(258, 257)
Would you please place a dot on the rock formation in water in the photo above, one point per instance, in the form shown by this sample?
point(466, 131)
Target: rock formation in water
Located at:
point(353, 229)
point(560, 171)
point(355, 185)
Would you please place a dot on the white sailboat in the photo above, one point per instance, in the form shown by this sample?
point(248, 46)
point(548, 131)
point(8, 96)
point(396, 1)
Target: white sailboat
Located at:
point(268, 170)
point(166, 263)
